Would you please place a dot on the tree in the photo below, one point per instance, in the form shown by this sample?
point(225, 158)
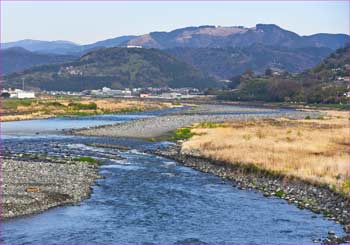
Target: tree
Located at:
point(268, 72)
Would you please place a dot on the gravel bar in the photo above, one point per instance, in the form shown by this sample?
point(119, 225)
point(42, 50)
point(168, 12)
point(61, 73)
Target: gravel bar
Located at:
point(31, 187)
point(158, 126)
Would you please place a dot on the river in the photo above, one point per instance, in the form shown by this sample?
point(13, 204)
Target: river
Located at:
point(148, 199)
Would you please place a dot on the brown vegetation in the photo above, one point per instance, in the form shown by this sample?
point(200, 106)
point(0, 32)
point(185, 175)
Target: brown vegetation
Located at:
point(315, 150)
point(25, 109)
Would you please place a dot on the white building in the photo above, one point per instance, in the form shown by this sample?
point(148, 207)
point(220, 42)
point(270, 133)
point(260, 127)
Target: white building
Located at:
point(20, 94)
point(25, 94)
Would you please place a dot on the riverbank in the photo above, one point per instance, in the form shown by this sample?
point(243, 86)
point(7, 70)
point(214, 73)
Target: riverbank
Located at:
point(34, 186)
point(155, 127)
point(42, 108)
point(318, 199)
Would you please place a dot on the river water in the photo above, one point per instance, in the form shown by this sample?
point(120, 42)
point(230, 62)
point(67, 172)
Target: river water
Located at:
point(148, 199)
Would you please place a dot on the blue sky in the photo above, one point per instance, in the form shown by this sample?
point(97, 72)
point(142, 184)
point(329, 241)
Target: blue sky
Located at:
point(87, 22)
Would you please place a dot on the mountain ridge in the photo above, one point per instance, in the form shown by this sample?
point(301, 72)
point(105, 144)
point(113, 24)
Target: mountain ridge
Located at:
point(17, 58)
point(115, 68)
point(196, 36)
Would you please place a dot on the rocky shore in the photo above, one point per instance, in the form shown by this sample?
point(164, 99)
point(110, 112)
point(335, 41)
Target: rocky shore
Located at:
point(34, 186)
point(318, 199)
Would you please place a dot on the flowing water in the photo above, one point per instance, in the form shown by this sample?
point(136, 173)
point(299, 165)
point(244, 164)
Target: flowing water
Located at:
point(149, 199)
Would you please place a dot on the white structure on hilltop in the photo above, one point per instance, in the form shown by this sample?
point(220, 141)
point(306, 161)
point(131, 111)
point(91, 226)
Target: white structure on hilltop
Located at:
point(133, 46)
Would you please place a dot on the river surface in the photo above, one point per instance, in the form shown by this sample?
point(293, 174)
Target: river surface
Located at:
point(148, 199)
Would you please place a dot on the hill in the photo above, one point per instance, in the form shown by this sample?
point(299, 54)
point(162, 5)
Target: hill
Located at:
point(17, 59)
point(108, 43)
point(51, 47)
point(195, 37)
point(236, 36)
point(325, 83)
point(223, 63)
point(115, 68)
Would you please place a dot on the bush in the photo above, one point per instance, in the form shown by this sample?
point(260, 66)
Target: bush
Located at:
point(80, 106)
point(87, 159)
point(53, 103)
point(182, 133)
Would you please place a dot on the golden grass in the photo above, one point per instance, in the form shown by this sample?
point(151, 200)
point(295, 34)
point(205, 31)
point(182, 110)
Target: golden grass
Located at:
point(41, 108)
point(313, 150)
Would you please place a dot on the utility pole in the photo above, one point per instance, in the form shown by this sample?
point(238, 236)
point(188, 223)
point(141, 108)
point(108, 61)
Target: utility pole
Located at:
point(23, 84)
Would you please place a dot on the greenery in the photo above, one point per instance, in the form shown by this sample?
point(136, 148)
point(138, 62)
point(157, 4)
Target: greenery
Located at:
point(14, 103)
point(81, 106)
point(17, 59)
point(182, 133)
point(88, 160)
point(116, 68)
point(320, 85)
point(226, 62)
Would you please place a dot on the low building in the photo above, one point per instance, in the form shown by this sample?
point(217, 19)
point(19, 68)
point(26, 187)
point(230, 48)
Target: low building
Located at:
point(25, 94)
point(20, 94)
point(142, 95)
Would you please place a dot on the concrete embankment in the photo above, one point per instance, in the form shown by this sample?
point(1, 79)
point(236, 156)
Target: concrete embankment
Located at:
point(318, 199)
point(29, 187)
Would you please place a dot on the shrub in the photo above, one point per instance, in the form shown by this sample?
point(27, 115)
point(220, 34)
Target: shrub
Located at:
point(182, 133)
point(88, 160)
point(80, 106)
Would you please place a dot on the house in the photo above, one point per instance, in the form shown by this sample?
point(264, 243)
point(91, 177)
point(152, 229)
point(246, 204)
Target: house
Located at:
point(25, 94)
point(20, 94)
point(143, 95)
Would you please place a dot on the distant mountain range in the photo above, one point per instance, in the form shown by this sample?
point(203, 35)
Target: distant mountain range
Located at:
point(212, 36)
point(209, 52)
point(195, 37)
point(51, 47)
point(17, 59)
point(223, 63)
point(115, 68)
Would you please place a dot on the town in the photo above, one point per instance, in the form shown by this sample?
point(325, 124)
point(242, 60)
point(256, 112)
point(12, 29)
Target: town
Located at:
point(105, 92)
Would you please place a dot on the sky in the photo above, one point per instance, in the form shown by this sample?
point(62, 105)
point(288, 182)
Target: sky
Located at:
point(88, 22)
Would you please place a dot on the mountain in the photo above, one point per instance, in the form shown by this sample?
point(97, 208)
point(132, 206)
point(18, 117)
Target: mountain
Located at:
point(326, 40)
point(65, 47)
point(17, 59)
point(223, 63)
point(325, 83)
point(108, 43)
point(236, 36)
point(331, 69)
point(115, 68)
point(53, 47)
point(207, 36)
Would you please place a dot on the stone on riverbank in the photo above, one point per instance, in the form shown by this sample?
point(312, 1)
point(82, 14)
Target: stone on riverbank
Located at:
point(31, 187)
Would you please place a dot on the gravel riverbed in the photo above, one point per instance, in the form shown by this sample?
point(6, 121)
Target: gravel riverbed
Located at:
point(29, 187)
point(157, 126)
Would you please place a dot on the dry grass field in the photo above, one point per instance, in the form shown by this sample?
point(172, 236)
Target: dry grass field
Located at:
point(24, 109)
point(315, 150)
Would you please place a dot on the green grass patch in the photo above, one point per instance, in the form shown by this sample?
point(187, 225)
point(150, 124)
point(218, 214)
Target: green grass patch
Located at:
point(52, 103)
point(280, 194)
point(14, 103)
point(182, 133)
point(79, 106)
point(88, 159)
